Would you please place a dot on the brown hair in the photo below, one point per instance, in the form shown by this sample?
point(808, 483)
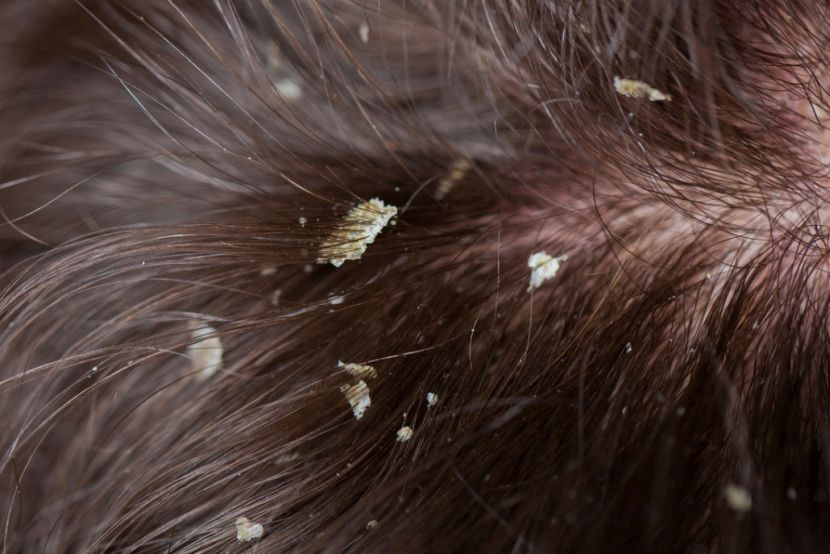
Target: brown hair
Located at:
point(275, 261)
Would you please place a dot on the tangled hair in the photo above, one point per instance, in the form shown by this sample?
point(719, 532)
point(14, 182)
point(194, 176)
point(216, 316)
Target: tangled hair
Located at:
point(269, 259)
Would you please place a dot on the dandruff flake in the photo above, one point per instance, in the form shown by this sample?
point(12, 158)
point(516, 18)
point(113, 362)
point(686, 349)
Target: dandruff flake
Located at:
point(356, 232)
point(432, 399)
point(361, 371)
point(363, 32)
point(457, 171)
point(247, 531)
point(289, 90)
point(358, 397)
point(404, 434)
point(543, 268)
point(638, 89)
point(205, 352)
point(738, 498)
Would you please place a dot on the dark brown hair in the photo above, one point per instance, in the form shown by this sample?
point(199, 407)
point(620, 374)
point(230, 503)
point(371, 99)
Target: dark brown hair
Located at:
point(178, 351)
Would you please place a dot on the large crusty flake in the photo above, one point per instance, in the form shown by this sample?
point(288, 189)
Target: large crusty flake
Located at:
point(356, 232)
point(638, 89)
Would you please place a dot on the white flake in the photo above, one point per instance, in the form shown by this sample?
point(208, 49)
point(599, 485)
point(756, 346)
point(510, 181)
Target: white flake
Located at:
point(404, 434)
point(544, 267)
point(457, 171)
point(638, 89)
point(289, 90)
point(361, 371)
point(738, 498)
point(363, 32)
point(358, 230)
point(432, 399)
point(358, 397)
point(247, 531)
point(205, 352)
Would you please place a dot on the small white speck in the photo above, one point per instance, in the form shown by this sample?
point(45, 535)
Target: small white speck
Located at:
point(638, 89)
point(336, 300)
point(791, 494)
point(308, 268)
point(247, 531)
point(372, 524)
point(302, 221)
point(543, 268)
point(404, 434)
point(356, 232)
point(624, 410)
point(267, 270)
point(289, 90)
point(363, 32)
point(738, 498)
point(361, 371)
point(628, 348)
point(205, 352)
point(94, 368)
point(358, 397)
point(275, 297)
point(432, 399)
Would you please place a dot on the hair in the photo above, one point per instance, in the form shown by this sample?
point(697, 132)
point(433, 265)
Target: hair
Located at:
point(414, 276)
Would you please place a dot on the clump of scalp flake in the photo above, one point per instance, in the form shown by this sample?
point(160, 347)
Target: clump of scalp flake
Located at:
point(361, 371)
point(358, 397)
point(738, 498)
point(543, 268)
point(205, 352)
point(638, 89)
point(247, 531)
point(404, 434)
point(356, 232)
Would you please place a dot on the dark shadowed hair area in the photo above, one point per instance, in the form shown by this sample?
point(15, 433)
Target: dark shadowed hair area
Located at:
point(414, 276)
